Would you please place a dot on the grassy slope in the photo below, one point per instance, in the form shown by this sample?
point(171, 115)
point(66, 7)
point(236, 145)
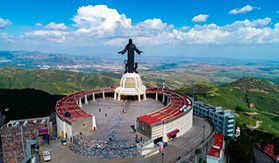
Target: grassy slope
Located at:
point(244, 95)
point(52, 81)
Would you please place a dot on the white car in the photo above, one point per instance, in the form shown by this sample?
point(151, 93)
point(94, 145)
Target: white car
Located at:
point(64, 142)
point(33, 159)
point(46, 156)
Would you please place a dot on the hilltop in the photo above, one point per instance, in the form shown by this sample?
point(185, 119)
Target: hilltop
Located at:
point(255, 85)
point(53, 81)
point(252, 99)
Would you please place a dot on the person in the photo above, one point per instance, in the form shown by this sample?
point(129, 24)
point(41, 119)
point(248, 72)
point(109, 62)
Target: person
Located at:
point(131, 56)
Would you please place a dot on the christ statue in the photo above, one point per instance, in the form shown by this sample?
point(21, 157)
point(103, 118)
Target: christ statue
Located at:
point(130, 65)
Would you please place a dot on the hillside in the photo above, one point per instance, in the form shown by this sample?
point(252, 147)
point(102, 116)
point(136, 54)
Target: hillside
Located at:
point(52, 81)
point(261, 95)
point(255, 85)
point(251, 99)
point(26, 103)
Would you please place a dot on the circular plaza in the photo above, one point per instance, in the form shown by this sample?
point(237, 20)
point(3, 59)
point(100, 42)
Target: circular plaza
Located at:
point(100, 127)
point(115, 137)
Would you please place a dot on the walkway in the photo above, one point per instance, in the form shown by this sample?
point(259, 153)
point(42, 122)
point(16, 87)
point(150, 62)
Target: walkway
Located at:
point(190, 140)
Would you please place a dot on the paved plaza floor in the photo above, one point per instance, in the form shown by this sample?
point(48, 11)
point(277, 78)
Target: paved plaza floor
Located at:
point(114, 138)
point(110, 117)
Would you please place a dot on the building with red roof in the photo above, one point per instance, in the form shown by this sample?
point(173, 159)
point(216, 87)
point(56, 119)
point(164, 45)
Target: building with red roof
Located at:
point(216, 153)
point(269, 150)
point(173, 120)
point(71, 119)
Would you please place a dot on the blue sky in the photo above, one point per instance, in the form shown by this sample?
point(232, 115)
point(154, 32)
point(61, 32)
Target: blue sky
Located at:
point(218, 28)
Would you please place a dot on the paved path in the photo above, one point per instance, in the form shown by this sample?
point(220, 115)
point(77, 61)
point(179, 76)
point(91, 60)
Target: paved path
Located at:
point(112, 122)
point(190, 140)
point(261, 157)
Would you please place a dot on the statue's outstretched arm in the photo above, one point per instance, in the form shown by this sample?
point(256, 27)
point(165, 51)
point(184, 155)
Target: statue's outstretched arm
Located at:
point(137, 50)
point(123, 51)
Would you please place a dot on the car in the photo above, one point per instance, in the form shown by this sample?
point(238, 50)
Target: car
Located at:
point(64, 142)
point(46, 156)
point(33, 159)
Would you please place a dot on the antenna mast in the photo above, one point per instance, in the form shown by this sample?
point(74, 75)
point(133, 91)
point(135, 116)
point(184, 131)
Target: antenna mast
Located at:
point(163, 82)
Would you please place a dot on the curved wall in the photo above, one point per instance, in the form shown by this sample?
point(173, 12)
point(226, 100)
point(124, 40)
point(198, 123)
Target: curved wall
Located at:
point(154, 125)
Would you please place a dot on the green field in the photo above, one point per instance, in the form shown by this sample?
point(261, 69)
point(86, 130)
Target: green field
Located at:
point(52, 81)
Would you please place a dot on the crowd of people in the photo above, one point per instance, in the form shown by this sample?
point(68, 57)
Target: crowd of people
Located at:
point(103, 149)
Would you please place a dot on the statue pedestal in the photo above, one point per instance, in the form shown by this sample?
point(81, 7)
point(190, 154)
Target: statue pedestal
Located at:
point(130, 86)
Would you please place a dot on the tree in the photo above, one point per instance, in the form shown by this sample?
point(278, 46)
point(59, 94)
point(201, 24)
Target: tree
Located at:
point(241, 149)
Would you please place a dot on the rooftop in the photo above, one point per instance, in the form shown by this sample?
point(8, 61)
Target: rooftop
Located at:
point(172, 110)
point(216, 149)
point(69, 104)
point(217, 109)
point(25, 122)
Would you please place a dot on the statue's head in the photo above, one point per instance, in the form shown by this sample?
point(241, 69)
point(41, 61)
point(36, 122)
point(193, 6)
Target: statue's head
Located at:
point(130, 41)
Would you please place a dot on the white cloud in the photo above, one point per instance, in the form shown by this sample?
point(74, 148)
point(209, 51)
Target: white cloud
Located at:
point(99, 25)
point(247, 24)
point(4, 23)
point(101, 21)
point(42, 35)
point(39, 24)
point(205, 34)
point(200, 18)
point(54, 26)
point(184, 28)
point(243, 9)
point(6, 38)
point(152, 24)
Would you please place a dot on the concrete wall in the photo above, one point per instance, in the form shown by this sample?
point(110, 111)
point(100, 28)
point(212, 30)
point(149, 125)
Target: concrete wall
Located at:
point(60, 125)
point(82, 126)
point(73, 128)
point(68, 131)
point(157, 131)
point(144, 128)
point(204, 146)
point(183, 123)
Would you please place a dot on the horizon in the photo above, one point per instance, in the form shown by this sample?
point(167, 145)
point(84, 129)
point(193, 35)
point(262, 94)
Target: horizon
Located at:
point(143, 57)
point(237, 30)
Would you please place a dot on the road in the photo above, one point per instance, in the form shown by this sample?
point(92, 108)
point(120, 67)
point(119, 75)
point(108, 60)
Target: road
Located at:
point(262, 157)
point(193, 137)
